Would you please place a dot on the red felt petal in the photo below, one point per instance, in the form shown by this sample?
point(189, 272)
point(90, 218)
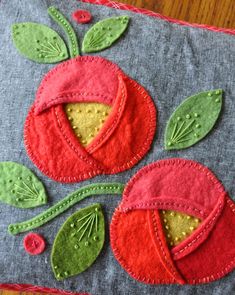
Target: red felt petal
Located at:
point(81, 79)
point(176, 184)
point(34, 244)
point(82, 16)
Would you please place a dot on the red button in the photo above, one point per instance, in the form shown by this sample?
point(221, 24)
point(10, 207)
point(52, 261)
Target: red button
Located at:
point(34, 244)
point(82, 16)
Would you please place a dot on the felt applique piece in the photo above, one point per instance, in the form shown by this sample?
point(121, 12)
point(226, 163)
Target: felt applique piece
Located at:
point(86, 119)
point(39, 43)
point(82, 16)
point(59, 18)
point(104, 33)
point(193, 119)
point(85, 80)
point(19, 187)
point(183, 199)
point(78, 242)
point(113, 109)
point(177, 226)
point(34, 244)
point(65, 204)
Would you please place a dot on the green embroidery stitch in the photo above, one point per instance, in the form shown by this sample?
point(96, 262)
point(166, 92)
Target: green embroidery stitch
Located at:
point(39, 43)
point(66, 203)
point(58, 17)
point(78, 242)
point(20, 187)
point(193, 119)
point(104, 33)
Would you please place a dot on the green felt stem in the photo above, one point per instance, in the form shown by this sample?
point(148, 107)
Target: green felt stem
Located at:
point(66, 203)
point(58, 17)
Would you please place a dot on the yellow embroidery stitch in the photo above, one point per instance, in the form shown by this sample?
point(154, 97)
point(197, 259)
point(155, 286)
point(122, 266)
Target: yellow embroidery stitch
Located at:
point(177, 226)
point(86, 119)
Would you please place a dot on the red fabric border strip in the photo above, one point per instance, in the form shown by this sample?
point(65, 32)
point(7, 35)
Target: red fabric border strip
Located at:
point(150, 13)
point(31, 288)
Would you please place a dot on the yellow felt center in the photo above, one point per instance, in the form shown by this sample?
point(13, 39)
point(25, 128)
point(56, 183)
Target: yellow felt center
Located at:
point(177, 226)
point(86, 119)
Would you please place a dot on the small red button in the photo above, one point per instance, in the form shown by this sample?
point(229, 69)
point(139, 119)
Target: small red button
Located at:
point(82, 16)
point(34, 244)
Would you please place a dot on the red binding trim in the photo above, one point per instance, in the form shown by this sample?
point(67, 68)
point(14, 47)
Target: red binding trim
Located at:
point(31, 288)
point(150, 13)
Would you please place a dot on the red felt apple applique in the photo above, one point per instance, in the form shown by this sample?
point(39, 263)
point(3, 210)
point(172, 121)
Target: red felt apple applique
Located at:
point(175, 224)
point(89, 117)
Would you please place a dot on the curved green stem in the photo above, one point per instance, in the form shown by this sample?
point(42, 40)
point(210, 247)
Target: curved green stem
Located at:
point(58, 17)
point(66, 203)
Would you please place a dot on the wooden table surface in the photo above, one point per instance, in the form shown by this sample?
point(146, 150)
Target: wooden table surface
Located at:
point(220, 13)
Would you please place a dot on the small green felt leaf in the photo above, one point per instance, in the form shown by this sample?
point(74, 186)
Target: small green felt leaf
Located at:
point(78, 242)
point(193, 119)
point(104, 33)
point(39, 43)
point(20, 187)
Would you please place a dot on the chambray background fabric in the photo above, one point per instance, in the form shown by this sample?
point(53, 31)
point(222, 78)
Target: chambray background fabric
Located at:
point(171, 62)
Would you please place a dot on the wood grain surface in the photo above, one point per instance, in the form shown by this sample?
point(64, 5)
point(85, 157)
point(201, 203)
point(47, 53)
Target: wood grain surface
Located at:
point(219, 13)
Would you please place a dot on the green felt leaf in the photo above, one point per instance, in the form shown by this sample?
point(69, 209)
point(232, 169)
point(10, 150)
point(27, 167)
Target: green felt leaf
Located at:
point(39, 43)
point(193, 119)
point(104, 33)
point(20, 187)
point(78, 242)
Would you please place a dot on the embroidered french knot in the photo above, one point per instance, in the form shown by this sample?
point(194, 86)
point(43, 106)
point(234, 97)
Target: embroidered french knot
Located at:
point(91, 117)
point(175, 212)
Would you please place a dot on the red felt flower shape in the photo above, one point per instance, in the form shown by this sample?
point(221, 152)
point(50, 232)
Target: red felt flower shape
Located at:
point(82, 16)
point(123, 140)
point(34, 244)
point(137, 236)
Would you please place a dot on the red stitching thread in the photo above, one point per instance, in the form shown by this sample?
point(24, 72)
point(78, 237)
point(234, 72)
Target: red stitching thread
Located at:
point(117, 169)
point(123, 262)
point(173, 161)
point(64, 65)
point(155, 227)
point(211, 222)
point(160, 203)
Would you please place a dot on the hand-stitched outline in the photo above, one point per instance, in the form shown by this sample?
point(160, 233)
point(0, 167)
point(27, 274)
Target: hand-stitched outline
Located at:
point(192, 239)
point(172, 270)
point(39, 43)
point(50, 75)
point(168, 205)
point(144, 148)
point(113, 67)
point(59, 18)
point(104, 33)
point(117, 5)
point(123, 263)
point(20, 187)
point(186, 124)
point(205, 279)
point(166, 162)
point(99, 140)
point(64, 204)
point(85, 157)
point(181, 163)
point(67, 238)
